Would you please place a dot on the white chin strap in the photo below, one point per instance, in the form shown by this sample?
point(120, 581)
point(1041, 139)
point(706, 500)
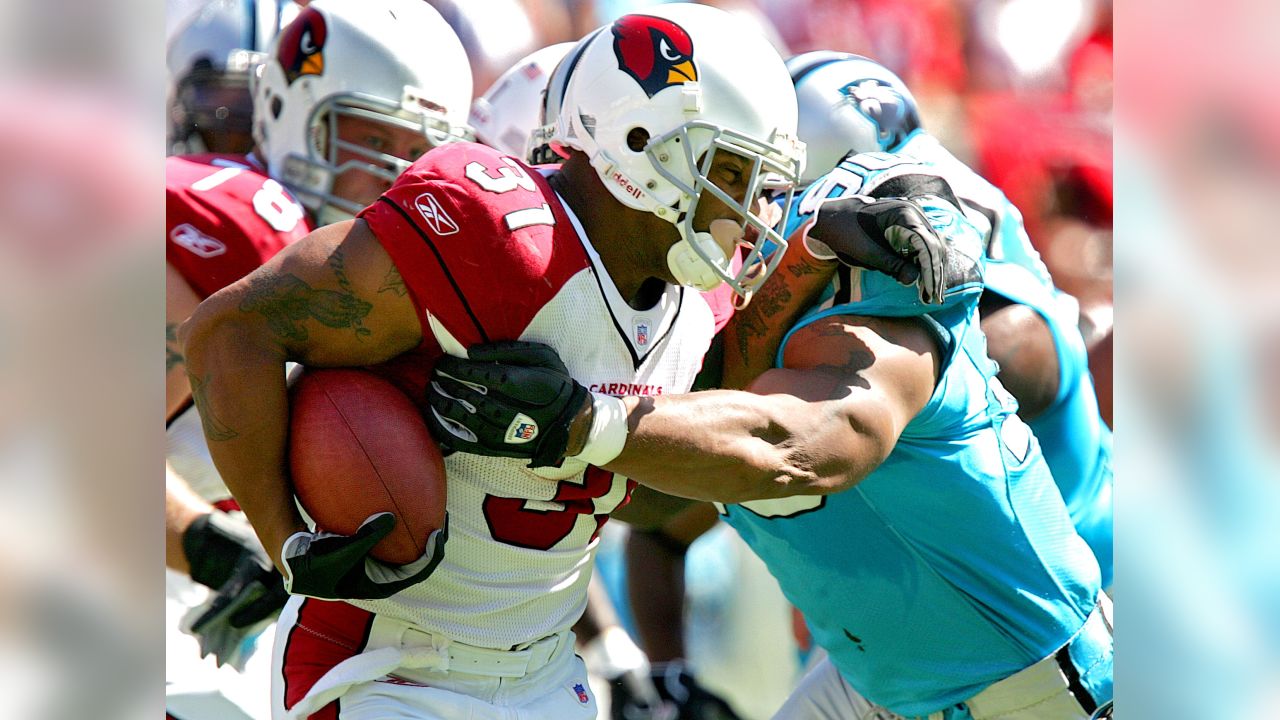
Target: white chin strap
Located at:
point(690, 269)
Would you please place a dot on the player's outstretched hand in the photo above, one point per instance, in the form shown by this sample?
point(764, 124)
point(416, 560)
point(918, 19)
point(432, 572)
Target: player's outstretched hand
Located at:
point(226, 556)
point(338, 567)
point(217, 544)
point(509, 399)
point(229, 622)
point(891, 236)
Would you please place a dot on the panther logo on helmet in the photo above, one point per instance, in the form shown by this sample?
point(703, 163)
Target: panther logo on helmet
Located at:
point(885, 107)
point(302, 45)
point(654, 51)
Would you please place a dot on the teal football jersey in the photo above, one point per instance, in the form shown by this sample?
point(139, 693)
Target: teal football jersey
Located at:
point(955, 563)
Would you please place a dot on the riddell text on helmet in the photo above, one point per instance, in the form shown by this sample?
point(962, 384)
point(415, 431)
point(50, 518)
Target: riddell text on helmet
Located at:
point(626, 185)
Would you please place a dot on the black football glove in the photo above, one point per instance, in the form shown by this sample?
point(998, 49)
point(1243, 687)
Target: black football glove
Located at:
point(229, 622)
point(216, 544)
point(632, 696)
point(225, 555)
point(693, 702)
point(510, 399)
point(338, 567)
point(891, 236)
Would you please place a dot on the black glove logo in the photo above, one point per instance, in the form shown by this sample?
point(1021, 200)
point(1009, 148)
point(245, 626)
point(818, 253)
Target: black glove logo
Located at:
point(522, 430)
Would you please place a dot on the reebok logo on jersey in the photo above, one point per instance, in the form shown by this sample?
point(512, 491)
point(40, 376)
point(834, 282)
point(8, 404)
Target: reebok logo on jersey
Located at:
point(438, 220)
point(197, 242)
point(521, 430)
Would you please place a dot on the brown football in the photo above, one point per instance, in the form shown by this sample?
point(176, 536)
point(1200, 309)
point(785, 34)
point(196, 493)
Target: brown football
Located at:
point(358, 446)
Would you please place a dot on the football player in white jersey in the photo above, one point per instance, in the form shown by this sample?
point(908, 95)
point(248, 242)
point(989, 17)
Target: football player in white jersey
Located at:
point(346, 99)
point(504, 118)
point(671, 688)
point(676, 120)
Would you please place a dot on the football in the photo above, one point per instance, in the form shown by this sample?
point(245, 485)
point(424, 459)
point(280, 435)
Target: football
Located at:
point(358, 446)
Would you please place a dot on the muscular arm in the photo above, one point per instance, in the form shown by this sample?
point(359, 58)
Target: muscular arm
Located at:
point(816, 426)
point(316, 303)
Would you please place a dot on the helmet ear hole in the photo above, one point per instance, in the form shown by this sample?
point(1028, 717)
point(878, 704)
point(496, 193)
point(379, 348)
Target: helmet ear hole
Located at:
point(637, 139)
point(276, 106)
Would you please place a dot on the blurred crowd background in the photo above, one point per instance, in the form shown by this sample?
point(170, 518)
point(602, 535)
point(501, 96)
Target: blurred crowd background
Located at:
point(1184, 173)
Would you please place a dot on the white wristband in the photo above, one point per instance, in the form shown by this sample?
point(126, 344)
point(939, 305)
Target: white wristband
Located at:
point(608, 432)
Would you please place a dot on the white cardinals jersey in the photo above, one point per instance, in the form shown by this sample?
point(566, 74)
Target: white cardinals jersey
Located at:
point(488, 252)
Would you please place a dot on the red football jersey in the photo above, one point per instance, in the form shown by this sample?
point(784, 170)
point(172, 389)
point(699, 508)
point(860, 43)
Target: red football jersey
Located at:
point(225, 218)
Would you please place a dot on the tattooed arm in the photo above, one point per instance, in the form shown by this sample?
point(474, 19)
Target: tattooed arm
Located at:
point(818, 425)
point(318, 303)
point(752, 337)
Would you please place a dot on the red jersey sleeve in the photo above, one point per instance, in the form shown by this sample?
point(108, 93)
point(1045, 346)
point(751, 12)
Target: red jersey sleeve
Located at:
point(480, 239)
point(224, 218)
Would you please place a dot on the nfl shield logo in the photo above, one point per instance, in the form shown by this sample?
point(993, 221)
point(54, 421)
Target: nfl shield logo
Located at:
point(521, 430)
point(643, 329)
point(582, 693)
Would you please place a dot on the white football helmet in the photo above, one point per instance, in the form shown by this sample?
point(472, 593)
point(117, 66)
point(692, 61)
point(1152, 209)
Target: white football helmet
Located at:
point(650, 102)
point(392, 61)
point(540, 150)
point(504, 116)
point(848, 103)
point(209, 59)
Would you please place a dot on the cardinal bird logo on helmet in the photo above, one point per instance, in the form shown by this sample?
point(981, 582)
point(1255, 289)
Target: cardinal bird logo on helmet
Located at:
point(302, 45)
point(656, 52)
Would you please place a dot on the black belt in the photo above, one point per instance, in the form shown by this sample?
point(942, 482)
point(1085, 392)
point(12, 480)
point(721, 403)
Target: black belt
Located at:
point(1077, 688)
